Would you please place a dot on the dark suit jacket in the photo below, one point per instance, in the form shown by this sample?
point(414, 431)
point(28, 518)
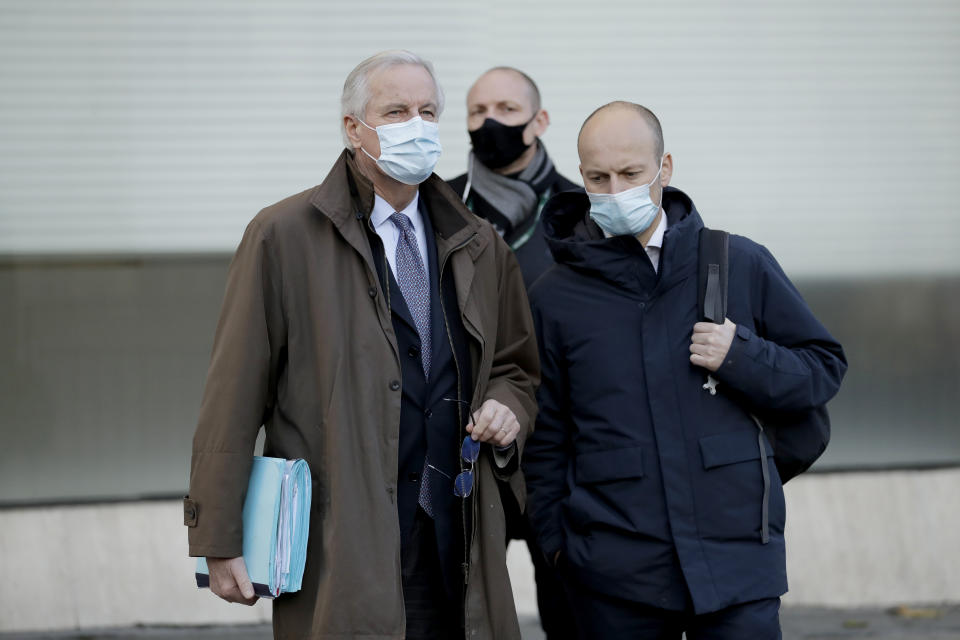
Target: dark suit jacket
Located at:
point(431, 422)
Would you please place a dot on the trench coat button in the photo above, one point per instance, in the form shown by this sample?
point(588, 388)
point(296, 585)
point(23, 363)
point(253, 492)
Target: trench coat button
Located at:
point(189, 513)
point(413, 352)
point(372, 292)
point(394, 385)
point(428, 414)
point(413, 477)
point(642, 305)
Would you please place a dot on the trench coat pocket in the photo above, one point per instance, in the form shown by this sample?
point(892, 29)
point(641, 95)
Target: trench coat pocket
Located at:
point(730, 448)
point(606, 466)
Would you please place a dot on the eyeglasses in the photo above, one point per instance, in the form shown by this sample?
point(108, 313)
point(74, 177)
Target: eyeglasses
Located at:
point(469, 453)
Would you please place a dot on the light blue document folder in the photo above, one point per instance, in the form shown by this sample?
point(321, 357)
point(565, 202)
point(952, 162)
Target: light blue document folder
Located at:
point(276, 524)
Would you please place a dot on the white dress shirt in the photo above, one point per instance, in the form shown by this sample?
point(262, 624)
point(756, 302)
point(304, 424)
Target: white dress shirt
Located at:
point(390, 234)
point(655, 243)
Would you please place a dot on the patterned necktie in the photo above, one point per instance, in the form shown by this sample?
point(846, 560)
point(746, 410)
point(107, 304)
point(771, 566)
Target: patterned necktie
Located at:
point(412, 278)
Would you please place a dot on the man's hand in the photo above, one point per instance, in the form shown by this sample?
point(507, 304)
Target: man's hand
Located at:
point(496, 424)
point(710, 343)
point(229, 580)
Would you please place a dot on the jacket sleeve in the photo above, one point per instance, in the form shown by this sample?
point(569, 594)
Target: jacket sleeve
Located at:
point(791, 363)
point(239, 389)
point(548, 453)
point(515, 370)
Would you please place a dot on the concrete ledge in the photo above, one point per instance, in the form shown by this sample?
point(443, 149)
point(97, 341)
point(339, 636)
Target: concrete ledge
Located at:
point(854, 540)
point(873, 539)
point(104, 566)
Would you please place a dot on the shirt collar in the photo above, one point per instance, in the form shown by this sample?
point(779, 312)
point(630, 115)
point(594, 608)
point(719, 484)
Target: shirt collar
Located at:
point(382, 211)
point(656, 240)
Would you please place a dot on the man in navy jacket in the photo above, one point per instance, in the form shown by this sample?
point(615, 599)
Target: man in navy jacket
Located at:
point(646, 489)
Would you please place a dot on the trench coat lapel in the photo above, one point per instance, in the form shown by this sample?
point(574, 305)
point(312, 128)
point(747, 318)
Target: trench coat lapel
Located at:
point(459, 245)
point(348, 202)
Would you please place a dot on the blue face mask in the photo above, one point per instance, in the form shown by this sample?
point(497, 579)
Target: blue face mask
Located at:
point(408, 150)
point(626, 213)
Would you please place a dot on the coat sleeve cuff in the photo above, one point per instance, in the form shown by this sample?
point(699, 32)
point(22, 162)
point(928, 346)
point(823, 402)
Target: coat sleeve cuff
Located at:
point(502, 456)
point(213, 512)
point(739, 365)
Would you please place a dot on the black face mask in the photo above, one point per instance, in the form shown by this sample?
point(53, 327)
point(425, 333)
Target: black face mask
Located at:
point(496, 144)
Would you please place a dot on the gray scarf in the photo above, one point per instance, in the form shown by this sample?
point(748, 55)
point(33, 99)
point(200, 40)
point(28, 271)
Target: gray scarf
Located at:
point(515, 198)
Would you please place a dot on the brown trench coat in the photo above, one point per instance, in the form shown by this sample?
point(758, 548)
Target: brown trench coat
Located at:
point(305, 346)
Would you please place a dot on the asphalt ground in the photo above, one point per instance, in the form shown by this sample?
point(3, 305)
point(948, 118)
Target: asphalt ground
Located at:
point(799, 623)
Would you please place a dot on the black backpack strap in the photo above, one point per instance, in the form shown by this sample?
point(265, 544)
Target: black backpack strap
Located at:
point(712, 294)
point(712, 278)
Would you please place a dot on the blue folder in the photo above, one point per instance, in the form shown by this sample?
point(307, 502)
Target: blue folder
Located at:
point(276, 523)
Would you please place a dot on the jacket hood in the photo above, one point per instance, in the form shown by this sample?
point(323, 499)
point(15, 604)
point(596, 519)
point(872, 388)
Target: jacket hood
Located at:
point(576, 241)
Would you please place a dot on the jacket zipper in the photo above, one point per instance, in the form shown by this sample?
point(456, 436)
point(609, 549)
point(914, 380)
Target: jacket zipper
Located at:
point(467, 534)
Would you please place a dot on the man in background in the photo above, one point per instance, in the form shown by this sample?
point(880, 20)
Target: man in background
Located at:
point(509, 178)
point(509, 174)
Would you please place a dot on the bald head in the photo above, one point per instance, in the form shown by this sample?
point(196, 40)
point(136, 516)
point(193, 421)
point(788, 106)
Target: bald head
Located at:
point(508, 97)
point(507, 82)
point(620, 147)
point(622, 113)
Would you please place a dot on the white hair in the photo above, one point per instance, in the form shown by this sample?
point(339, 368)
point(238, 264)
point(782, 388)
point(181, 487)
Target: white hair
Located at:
point(356, 90)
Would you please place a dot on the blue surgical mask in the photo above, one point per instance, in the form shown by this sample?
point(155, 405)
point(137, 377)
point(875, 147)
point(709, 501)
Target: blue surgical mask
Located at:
point(408, 150)
point(626, 213)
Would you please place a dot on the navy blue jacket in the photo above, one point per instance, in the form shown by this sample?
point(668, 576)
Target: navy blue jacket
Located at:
point(650, 486)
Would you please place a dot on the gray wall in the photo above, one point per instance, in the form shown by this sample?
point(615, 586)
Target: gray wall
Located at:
point(156, 126)
point(102, 367)
point(898, 403)
point(101, 371)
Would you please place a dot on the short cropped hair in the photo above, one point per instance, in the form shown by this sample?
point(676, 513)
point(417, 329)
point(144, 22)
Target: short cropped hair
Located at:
point(356, 89)
point(649, 116)
point(531, 85)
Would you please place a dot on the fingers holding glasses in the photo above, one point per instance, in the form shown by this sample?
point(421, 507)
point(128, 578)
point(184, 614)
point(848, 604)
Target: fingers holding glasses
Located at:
point(495, 423)
point(508, 431)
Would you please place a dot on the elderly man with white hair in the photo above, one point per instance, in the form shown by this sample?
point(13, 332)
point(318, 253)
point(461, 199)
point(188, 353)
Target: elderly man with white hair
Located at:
point(380, 331)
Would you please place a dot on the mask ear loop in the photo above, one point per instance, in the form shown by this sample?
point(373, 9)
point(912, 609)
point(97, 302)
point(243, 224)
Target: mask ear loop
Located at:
point(360, 120)
point(659, 171)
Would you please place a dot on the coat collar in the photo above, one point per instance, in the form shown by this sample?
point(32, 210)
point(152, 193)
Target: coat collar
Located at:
point(575, 240)
point(347, 195)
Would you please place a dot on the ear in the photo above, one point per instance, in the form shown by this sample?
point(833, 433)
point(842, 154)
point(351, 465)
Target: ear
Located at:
point(667, 172)
point(540, 123)
point(352, 127)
